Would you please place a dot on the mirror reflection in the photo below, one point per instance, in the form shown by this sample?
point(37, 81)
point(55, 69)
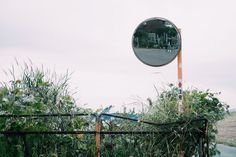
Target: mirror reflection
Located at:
point(156, 42)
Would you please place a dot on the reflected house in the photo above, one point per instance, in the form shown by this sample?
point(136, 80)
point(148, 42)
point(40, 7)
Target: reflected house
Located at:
point(154, 40)
point(152, 37)
point(162, 41)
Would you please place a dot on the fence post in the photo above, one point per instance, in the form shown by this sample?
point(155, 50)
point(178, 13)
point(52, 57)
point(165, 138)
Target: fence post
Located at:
point(206, 138)
point(201, 147)
point(26, 148)
point(98, 137)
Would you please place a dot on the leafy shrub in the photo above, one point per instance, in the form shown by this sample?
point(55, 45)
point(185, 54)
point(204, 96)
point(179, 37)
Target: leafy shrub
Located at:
point(173, 138)
point(38, 92)
point(197, 104)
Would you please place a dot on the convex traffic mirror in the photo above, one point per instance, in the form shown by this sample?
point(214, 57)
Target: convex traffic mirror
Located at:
point(156, 42)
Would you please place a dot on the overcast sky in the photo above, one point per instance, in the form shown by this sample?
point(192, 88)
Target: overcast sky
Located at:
point(92, 38)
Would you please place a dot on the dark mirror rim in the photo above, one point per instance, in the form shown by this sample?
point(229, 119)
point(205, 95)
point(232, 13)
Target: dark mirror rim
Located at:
point(179, 36)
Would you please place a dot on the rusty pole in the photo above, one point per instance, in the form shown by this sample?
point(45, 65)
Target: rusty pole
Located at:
point(180, 88)
point(98, 137)
point(180, 83)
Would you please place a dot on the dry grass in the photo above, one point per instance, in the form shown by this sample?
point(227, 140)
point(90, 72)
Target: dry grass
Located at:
point(227, 130)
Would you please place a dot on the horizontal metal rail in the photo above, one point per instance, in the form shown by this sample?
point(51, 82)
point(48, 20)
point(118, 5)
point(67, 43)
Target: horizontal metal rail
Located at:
point(48, 115)
point(86, 132)
point(151, 123)
point(45, 132)
point(100, 115)
point(142, 132)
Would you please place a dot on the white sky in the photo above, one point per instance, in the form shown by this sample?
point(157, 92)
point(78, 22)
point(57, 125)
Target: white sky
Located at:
point(92, 38)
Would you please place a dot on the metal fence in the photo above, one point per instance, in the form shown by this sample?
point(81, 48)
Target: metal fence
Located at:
point(101, 140)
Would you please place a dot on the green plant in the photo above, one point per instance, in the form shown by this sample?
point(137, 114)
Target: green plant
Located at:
point(35, 91)
point(173, 138)
point(197, 104)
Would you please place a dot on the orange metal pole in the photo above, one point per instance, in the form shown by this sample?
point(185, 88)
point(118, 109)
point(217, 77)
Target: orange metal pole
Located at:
point(180, 88)
point(180, 83)
point(98, 137)
point(180, 73)
point(180, 94)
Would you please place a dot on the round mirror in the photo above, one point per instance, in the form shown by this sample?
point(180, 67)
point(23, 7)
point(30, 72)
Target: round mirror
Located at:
point(156, 42)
